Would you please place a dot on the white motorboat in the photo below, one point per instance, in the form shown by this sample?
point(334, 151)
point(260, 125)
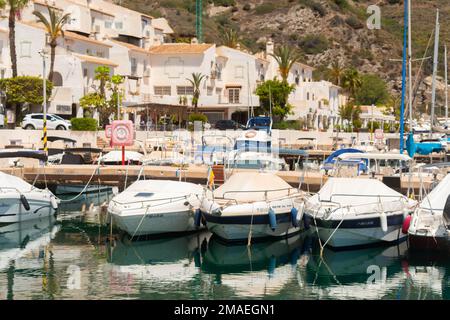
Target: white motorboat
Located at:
point(354, 212)
point(20, 201)
point(253, 205)
point(150, 207)
point(429, 227)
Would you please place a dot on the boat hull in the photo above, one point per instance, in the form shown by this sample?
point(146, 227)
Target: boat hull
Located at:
point(428, 243)
point(140, 223)
point(13, 211)
point(358, 232)
point(237, 228)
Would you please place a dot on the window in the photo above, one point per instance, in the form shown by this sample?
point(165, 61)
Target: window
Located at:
point(100, 54)
point(162, 90)
point(85, 72)
point(108, 24)
point(185, 91)
point(307, 96)
point(25, 49)
point(119, 25)
point(209, 91)
point(239, 72)
point(133, 66)
point(88, 52)
point(234, 95)
point(37, 117)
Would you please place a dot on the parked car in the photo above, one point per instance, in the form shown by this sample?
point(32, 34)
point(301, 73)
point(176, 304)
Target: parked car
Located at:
point(228, 125)
point(35, 121)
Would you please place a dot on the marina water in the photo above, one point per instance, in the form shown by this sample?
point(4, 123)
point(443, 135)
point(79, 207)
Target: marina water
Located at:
point(72, 257)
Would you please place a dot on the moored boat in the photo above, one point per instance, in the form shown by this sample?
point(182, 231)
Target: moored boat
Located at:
point(151, 207)
point(350, 212)
point(429, 228)
point(253, 205)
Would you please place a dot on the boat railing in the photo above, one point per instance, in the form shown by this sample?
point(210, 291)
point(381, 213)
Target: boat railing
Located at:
point(296, 193)
point(171, 200)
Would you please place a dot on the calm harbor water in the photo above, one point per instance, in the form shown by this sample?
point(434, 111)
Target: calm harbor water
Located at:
point(71, 257)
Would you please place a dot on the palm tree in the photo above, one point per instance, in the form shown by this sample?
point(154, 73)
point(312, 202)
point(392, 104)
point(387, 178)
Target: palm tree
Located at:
point(336, 72)
point(351, 81)
point(54, 28)
point(230, 38)
point(102, 75)
point(14, 8)
point(285, 57)
point(196, 82)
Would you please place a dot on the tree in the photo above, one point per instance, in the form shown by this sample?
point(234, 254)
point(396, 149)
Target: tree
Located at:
point(273, 93)
point(351, 81)
point(336, 72)
point(103, 76)
point(116, 93)
point(285, 58)
point(14, 8)
point(54, 26)
point(373, 90)
point(196, 82)
point(24, 90)
point(351, 113)
point(90, 102)
point(230, 38)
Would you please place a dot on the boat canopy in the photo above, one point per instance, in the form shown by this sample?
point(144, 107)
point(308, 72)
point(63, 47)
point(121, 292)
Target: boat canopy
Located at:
point(55, 138)
point(34, 154)
point(354, 191)
point(254, 186)
point(116, 156)
point(437, 198)
point(8, 181)
point(332, 157)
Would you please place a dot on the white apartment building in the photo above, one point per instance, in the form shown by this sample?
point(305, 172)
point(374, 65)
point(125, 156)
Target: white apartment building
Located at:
point(135, 46)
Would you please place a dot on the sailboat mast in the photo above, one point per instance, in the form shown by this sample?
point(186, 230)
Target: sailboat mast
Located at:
point(435, 67)
point(410, 93)
point(402, 104)
point(446, 86)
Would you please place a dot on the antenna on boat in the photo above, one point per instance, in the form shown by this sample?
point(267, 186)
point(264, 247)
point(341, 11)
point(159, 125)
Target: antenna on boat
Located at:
point(270, 101)
point(402, 104)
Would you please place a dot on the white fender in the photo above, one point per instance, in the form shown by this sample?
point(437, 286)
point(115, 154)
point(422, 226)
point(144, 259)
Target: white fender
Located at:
point(383, 221)
point(301, 211)
point(54, 203)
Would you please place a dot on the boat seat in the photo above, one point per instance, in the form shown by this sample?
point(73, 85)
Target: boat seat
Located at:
point(446, 212)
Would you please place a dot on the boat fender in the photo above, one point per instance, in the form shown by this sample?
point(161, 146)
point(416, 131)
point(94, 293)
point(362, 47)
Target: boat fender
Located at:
point(294, 217)
point(383, 221)
point(54, 203)
point(405, 213)
point(197, 218)
point(406, 224)
point(272, 219)
point(306, 222)
point(25, 203)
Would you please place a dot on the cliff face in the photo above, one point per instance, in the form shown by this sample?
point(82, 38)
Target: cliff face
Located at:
point(322, 30)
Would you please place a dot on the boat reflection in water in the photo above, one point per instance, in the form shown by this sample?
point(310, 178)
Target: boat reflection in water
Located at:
point(261, 270)
point(163, 262)
point(371, 273)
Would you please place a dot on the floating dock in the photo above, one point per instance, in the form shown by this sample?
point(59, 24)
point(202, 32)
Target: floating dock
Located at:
point(122, 176)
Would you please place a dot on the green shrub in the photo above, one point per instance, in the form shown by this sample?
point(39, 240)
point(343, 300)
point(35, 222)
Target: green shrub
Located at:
point(314, 44)
point(224, 3)
point(265, 8)
point(84, 124)
point(354, 22)
point(288, 124)
point(197, 117)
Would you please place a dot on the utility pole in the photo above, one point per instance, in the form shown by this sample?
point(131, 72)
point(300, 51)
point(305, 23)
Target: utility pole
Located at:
point(198, 20)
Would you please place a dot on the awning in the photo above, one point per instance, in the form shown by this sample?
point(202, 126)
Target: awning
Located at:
point(233, 85)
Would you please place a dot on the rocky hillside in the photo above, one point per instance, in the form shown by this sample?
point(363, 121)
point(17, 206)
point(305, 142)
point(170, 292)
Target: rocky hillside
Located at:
point(322, 30)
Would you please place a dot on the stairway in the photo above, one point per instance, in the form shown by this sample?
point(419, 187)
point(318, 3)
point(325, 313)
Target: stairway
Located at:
point(101, 143)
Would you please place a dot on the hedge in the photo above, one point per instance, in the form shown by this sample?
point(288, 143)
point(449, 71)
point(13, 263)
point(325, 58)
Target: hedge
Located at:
point(84, 124)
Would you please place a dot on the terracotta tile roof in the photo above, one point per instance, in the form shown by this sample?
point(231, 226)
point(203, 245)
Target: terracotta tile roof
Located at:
point(176, 48)
point(131, 47)
point(96, 60)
